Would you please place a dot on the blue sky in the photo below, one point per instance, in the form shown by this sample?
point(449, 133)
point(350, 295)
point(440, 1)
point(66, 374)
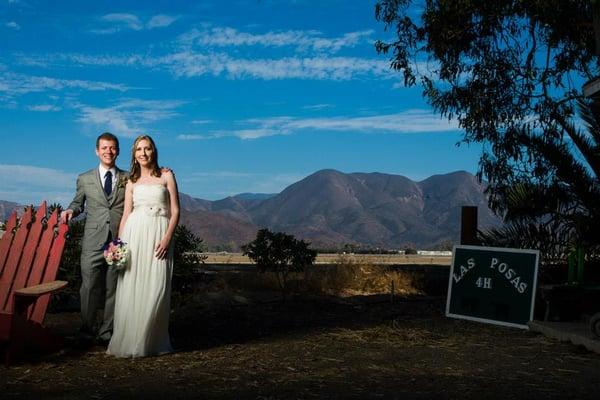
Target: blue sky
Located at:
point(240, 96)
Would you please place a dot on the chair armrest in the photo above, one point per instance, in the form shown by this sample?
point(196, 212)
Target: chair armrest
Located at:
point(43, 288)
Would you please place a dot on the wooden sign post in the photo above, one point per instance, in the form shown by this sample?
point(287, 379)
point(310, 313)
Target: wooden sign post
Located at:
point(493, 285)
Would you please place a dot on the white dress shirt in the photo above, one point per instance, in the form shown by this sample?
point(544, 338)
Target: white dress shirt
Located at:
point(103, 172)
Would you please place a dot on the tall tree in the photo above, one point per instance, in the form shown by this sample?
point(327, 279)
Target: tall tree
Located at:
point(511, 72)
point(502, 68)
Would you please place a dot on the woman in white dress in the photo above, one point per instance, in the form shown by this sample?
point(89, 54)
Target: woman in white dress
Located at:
point(151, 214)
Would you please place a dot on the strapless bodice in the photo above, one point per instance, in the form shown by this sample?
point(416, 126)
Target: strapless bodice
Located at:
point(151, 199)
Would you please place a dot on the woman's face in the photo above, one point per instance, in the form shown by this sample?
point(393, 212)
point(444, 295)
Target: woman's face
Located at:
point(144, 152)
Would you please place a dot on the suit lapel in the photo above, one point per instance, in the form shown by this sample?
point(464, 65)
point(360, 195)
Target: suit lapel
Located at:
point(117, 186)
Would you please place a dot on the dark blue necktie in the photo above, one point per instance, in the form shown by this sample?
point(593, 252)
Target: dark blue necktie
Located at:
point(108, 183)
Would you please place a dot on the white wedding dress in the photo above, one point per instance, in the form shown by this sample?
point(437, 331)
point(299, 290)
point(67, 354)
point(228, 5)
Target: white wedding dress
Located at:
point(142, 302)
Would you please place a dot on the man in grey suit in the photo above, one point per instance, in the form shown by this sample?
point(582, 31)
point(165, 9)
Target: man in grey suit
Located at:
point(101, 193)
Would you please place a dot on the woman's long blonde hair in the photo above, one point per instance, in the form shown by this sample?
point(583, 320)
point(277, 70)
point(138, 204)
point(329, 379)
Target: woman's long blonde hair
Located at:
point(135, 170)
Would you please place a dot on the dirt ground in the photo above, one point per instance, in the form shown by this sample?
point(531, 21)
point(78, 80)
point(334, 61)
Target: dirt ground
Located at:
point(256, 347)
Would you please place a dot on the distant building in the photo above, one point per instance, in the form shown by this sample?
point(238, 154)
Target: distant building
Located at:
point(433, 253)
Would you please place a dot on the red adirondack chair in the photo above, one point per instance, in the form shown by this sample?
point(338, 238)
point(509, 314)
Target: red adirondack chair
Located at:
point(30, 254)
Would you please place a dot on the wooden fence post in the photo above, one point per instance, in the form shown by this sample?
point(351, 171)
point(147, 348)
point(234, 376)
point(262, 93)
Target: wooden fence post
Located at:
point(468, 225)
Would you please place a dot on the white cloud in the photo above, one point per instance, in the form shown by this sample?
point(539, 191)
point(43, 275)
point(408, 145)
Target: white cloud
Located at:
point(160, 21)
point(27, 184)
point(201, 121)
point(44, 108)
point(411, 121)
point(191, 64)
point(132, 21)
point(192, 137)
point(318, 106)
point(130, 117)
point(302, 40)
point(12, 25)
point(123, 21)
point(17, 84)
point(15, 175)
point(73, 59)
point(257, 133)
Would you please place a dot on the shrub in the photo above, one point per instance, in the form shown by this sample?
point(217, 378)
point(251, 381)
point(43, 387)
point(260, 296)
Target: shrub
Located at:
point(280, 253)
point(187, 258)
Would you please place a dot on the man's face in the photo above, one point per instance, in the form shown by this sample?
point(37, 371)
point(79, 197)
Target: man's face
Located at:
point(107, 153)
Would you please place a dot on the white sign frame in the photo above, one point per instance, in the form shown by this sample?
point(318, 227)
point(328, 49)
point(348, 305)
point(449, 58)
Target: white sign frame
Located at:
point(486, 320)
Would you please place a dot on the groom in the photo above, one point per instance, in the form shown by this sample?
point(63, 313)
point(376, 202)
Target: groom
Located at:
point(101, 191)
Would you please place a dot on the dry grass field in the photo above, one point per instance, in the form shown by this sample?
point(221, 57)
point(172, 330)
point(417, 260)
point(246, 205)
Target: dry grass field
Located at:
point(378, 259)
point(337, 274)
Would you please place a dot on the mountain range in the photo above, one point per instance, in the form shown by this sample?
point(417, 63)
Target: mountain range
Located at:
point(330, 209)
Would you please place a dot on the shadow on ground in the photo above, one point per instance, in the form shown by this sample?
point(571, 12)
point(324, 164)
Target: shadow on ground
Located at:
point(212, 324)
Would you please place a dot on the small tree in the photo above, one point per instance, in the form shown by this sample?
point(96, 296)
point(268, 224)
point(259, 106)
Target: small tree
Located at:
point(187, 256)
point(410, 251)
point(280, 253)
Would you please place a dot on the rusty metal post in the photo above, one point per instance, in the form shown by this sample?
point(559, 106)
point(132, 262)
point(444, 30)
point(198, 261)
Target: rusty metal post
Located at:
point(468, 225)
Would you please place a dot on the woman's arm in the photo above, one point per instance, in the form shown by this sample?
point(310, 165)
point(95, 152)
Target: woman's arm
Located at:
point(163, 246)
point(128, 206)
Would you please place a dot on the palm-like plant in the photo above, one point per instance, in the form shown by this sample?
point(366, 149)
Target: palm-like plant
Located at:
point(562, 212)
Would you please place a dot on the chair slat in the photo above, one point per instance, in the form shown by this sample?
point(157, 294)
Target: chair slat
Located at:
point(41, 256)
point(14, 255)
point(7, 239)
point(58, 245)
point(26, 263)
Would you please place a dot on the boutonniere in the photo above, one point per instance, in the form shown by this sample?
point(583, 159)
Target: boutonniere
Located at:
point(122, 181)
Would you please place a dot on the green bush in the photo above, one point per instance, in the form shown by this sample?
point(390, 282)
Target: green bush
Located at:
point(280, 253)
point(410, 251)
point(187, 258)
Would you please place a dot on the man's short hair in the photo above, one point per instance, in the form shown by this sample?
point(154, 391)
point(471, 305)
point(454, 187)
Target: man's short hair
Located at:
point(107, 136)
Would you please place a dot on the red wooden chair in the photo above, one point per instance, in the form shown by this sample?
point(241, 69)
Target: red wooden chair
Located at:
point(30, 254)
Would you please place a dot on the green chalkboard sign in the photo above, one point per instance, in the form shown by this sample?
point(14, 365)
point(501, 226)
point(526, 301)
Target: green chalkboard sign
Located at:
point(493, 285)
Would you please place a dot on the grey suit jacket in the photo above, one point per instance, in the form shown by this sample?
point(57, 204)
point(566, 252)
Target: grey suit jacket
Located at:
point(103, 213)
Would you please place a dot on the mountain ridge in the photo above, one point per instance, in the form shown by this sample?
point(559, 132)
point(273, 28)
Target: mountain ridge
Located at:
point(330, 208)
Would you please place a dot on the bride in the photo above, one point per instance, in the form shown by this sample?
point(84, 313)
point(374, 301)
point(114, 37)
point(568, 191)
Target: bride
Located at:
point(142, 303)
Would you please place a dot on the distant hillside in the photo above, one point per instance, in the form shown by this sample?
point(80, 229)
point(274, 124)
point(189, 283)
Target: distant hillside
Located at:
point(6, 208)
point(219, 230)
point(331, 208)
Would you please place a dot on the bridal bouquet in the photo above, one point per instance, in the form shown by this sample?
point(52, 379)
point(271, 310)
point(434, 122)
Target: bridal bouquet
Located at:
point(116, 254)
